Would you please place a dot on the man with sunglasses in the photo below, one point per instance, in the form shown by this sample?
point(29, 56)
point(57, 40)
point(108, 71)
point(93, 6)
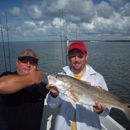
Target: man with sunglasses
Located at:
point(22, 94)
point(71, 115)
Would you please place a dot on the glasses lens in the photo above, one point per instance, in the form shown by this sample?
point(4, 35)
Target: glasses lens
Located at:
point(26, 60)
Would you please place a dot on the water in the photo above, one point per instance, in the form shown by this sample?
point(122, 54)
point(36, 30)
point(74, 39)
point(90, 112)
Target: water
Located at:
point(111, 59)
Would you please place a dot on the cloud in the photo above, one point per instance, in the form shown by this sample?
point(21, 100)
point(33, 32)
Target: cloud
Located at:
point(126, 24)
point(49, 19)
point(116, 4)
point(104, 10)
point(79, 11)
point(126, 10)
point(15, 12)
point(34, 12)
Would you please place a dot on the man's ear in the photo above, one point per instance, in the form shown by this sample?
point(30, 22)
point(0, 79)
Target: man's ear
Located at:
point(87, 55)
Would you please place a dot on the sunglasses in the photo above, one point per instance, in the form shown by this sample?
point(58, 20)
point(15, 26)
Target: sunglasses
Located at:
point(26, 60)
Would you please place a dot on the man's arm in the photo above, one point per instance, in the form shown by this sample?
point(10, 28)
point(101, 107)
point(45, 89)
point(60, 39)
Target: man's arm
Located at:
point(13, 83)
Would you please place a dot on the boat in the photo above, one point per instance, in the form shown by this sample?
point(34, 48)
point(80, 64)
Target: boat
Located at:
point(108, 123)
point(49, 115)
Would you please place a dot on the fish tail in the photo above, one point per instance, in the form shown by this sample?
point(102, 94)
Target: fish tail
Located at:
point(127, 111)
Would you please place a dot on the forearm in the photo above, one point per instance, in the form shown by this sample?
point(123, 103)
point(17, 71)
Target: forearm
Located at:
point(13, 83)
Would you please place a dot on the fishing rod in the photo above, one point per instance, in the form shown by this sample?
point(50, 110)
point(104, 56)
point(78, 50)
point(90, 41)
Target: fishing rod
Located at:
point(8, 41)
point(65, 39)
point(3, 44)
point(61, 39)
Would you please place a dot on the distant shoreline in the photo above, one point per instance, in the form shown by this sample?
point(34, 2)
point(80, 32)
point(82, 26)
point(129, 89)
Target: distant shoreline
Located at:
point(82, 40)
point(107, 40)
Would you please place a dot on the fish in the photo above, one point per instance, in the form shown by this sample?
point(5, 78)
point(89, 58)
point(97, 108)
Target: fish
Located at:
point(85, 93)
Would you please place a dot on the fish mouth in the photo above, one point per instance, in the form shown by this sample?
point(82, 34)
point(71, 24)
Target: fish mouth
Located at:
point(50, 79)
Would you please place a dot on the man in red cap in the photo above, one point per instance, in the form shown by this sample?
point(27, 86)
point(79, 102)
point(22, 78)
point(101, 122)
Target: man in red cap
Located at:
point(77, 116)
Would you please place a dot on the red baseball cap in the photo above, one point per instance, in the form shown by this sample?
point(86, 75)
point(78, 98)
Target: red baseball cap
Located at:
point(77, 45)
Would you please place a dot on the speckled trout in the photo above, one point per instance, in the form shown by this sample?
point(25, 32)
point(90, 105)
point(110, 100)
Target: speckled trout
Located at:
point(85, 93)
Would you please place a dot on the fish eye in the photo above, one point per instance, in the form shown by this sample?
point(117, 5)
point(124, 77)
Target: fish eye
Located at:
point(128, 106)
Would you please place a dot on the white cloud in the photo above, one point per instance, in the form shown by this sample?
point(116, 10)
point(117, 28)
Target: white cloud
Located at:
point(80, 11)
point(15, 12)
point(104, 10)
point(126, 24)
point(126, 10)
point(49, 17)
point(34, 12)
point(109, 25)
point(116, 4)
point(88, 26)
point(57, 22)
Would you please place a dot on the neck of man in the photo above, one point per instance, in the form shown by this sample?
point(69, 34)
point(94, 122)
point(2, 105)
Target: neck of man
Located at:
point(79, 72)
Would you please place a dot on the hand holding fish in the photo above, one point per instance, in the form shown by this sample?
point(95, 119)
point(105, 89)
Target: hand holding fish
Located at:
point(53, 90)
point(99, 107)
point(88, 94)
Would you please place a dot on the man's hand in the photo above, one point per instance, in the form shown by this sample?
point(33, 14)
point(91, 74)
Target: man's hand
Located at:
point(36, 76)
point(53, 90)
point(99, 107)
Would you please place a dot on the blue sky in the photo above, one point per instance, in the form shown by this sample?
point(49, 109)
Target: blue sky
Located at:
point(48, 20)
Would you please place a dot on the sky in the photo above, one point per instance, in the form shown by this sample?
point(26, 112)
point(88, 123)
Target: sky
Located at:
point(56, 20)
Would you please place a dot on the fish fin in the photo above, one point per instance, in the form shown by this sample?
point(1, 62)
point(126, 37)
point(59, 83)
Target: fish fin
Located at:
point(73, 102)
point(74, 95)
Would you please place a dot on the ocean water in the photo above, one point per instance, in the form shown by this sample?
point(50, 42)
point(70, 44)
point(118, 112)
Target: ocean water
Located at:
point(111, 59)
